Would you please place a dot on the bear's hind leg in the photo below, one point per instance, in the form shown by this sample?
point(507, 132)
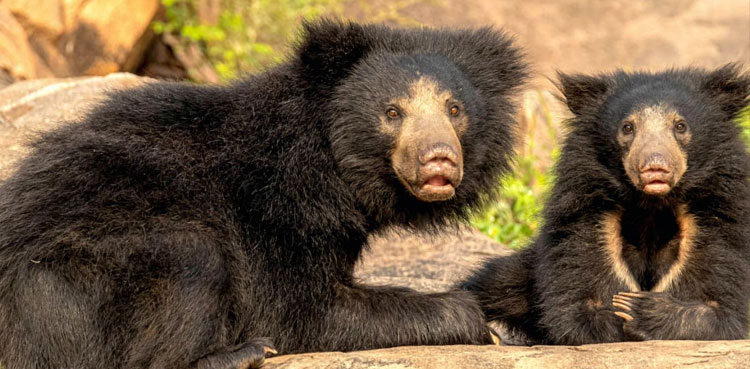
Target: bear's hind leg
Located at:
point(41, 309)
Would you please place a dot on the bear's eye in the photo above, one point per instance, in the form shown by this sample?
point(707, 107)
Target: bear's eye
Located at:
point(627, 128)
point(680, 126)
point(392, 113)
point(454, 110)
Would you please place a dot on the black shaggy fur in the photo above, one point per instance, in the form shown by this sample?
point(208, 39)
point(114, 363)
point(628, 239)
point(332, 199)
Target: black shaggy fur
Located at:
point(560, 289)
point(176, 223)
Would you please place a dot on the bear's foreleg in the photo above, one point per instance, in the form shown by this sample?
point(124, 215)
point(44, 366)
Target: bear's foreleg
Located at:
point(503, 288)
point(365, 317)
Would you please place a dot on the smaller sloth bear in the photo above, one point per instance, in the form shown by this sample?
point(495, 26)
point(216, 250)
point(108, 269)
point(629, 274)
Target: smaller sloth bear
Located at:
point(646, 233)
point(176, 225)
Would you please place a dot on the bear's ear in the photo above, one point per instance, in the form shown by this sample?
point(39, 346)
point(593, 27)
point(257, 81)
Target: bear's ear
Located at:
point(581, 92)
point(329, 50)
point(729, 87)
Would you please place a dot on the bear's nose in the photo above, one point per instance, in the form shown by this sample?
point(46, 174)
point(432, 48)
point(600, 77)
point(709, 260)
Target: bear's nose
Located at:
point(440, 154)
point(656, 162)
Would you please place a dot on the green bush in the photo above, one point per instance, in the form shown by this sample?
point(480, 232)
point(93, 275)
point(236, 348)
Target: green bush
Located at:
point(744, 121)
point(248, 35)
point(514, 219)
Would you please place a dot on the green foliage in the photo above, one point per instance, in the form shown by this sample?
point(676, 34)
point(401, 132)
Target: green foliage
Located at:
point(248, 35)
point(515, 218)
point(744, 120)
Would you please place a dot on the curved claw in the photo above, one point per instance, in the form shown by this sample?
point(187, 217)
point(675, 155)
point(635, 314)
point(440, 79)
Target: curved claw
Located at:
point(622, 306)
point(495, 340)
point(495, 337)
point(622, 302)
point(625, 316)
point(631, 294)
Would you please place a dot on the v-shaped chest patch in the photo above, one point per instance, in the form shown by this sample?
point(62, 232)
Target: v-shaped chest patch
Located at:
point(613, 243)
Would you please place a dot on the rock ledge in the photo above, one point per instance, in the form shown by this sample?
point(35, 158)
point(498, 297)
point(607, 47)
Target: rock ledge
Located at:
point(626, 355)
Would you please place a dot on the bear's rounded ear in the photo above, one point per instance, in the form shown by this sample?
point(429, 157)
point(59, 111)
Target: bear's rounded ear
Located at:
point(329, 49)
point(729, 87)
point(581, 92)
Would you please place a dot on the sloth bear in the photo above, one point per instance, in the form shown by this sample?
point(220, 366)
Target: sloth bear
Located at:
point(646, 234)
point(177, 225)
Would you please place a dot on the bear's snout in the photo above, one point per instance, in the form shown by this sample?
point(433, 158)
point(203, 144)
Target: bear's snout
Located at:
point(655, 160)
point(657, 180)
point(429, 165)
point(656, 174)
point(439, 173)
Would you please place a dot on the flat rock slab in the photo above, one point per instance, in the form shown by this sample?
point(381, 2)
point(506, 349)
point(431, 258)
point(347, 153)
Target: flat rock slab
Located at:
point(626, 355)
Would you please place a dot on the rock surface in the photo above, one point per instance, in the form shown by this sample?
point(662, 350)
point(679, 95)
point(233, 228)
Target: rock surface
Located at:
point(17, 59)
point(39, 16)
point(63, 38)
point(399, 258)
point(627, 355)
point(424, 262)
point(110, 36)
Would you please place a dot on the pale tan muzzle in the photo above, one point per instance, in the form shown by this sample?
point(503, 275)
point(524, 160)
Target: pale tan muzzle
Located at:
point(427, 158)
point(655, 161)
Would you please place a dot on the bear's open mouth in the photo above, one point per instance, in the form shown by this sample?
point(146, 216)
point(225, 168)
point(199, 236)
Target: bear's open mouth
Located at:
point(656, 180)
point(437, 181)
point(436, 188)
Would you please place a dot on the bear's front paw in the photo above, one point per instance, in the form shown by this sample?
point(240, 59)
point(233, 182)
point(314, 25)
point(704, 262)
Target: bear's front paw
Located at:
point(247, 356)
point(645, 313)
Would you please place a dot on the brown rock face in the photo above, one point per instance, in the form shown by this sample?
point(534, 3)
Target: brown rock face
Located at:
point(109, 36)
point(39, 16)
point(45, 38)
point(71, 8)
point(17, 58)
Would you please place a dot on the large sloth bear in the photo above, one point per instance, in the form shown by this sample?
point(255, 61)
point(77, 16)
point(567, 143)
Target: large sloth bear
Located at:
point(646, 234)
point(176, 224)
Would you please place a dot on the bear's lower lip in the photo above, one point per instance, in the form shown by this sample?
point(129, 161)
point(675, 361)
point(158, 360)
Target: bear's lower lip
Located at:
point(437, 188)
point(437, 181)
point(657, 188)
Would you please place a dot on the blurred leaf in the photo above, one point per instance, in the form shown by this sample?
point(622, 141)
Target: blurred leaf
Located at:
point(515, 218)
point(249, 35)
point(744, 121)
point(260, 48)
point(159, 27)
